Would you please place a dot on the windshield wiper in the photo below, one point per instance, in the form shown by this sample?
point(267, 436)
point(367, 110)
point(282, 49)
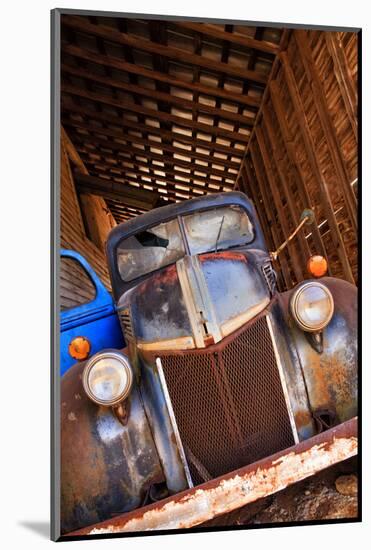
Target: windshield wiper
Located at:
point(218, 237)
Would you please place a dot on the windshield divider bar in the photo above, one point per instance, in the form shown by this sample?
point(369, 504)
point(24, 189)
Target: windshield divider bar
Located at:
point(185, 240)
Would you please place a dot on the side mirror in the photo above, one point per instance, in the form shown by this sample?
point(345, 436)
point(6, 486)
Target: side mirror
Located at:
point(308, 216)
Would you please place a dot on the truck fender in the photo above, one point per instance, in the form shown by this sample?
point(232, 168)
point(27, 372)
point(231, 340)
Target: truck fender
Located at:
point(107, 465)
point(330, 374)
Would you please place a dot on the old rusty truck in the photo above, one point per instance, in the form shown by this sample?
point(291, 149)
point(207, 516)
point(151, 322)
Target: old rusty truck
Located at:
point(227, 390)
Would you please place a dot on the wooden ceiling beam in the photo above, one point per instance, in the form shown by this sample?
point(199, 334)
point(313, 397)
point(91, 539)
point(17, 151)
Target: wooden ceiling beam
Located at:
point(169, 192)
point(162, 158)
point(129, 124)
point(221, 78)
point(151, 143)
point(115, 179)
point(106, 175)
point(157, 115)
point(127, 209)
point(234, 38)
point(88, 158)
point(159, 96)
point(113, 171)
point(130, 195)
point(121, 215)
point(119, 64)
point(81, 24)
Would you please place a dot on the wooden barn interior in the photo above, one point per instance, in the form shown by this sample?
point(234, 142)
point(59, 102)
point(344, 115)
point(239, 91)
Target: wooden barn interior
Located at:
point(155, 112)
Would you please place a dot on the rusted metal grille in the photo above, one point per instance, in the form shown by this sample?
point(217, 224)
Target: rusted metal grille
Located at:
point(229, 404)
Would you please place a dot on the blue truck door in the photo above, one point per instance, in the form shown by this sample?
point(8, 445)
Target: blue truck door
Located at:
point(96, 320)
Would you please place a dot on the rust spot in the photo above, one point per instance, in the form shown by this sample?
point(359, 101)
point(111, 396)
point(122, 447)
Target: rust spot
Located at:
point(303, 418)
point(167, 276)
point(209, 340)
point(226, 255)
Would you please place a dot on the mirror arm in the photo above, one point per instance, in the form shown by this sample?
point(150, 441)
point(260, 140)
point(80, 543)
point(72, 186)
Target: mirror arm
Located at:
point(274, 255)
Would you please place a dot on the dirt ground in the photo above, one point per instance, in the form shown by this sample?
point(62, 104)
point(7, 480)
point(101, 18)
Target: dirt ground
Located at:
point(331, 494)
point(317, 498)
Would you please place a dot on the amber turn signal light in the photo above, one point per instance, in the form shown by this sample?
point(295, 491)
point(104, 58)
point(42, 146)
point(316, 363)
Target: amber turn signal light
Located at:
point(317, 266)
point(79, 348)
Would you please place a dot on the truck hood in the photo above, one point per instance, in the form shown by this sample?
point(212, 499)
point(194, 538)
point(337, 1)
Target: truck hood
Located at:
point(197, 301)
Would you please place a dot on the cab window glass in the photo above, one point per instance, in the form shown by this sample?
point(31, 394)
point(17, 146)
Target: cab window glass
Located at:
point(76, 286)
point(218, 229)
point(149, 250)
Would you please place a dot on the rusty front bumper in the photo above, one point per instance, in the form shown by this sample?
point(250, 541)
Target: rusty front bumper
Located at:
point(237, 488)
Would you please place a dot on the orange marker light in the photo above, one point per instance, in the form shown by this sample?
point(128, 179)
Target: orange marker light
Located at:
point(317, 266)
point(79, 348)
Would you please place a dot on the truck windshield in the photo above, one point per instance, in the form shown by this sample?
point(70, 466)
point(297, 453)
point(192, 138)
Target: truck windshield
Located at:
point(149, 250)
point(210, 230)
point(218, 229)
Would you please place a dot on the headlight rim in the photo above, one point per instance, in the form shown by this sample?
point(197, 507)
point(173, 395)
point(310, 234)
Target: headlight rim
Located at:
point(294, 306)
point(107, 354)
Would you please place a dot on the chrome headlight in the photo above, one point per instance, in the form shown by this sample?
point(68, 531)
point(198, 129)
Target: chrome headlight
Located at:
point(107, 378)
point(312, 306)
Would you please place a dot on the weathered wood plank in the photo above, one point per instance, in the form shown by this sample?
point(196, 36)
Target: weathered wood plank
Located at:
point(312, 158)
point(108, 33)
point(264, 190)
point(96, 156)
point(301, 178)
point(154, 144)
point(327, 124)
point(150, 129)
point(157, 115)
point(344, 77)
point(292, 205)
point(248, 176)
point(156, 95)
point(190, 186)
point(131, 196)
point(125, 66)
point(267, 165)
point(111, 145)
point(234, 38)
point(72, 228)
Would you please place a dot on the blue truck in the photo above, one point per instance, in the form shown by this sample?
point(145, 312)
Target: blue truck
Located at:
point(94, 325)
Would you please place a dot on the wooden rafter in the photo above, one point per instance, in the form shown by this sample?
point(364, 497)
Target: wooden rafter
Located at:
point(176, 54)
point(131, 68)
point(153, 130)
point(157, 115)
point(235, 38)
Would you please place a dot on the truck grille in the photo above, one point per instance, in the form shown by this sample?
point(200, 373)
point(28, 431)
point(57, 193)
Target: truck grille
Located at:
point(228, 402)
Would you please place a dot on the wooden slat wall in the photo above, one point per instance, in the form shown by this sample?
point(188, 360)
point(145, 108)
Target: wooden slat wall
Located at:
point(75, 284)
point(303, 153)
point(72, 228)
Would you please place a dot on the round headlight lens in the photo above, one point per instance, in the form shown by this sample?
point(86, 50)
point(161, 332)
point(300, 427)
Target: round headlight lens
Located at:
point(107, 378)
point(312, 306)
